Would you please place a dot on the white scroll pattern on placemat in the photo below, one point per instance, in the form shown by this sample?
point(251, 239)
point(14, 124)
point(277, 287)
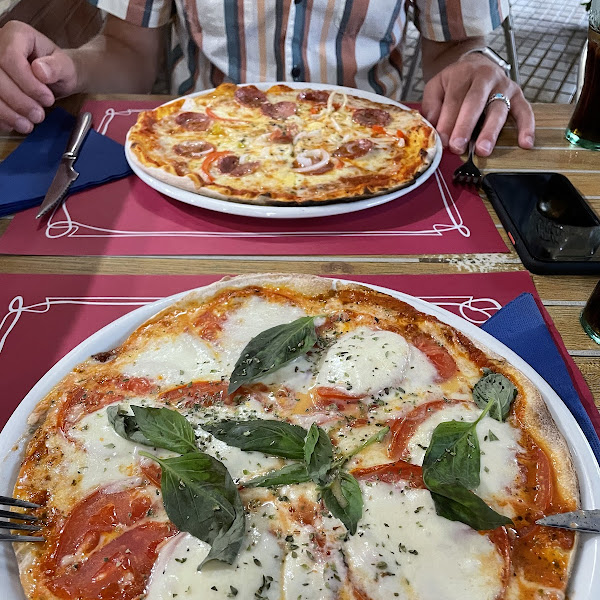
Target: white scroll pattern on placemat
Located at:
point(475, 310)
point(61, 224)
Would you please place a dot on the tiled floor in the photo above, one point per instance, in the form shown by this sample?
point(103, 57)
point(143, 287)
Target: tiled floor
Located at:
point(549, 35)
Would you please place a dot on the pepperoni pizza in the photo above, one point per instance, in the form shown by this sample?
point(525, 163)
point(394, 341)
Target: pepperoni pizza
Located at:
point(282, 146)
point(286, 436)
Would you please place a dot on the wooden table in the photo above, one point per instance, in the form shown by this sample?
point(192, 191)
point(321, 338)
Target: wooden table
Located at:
point(562, 295)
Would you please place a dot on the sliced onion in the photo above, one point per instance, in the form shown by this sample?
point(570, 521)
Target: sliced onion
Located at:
point(304, 134)
point(335, 124)
point(321, 156)
point(330, 101)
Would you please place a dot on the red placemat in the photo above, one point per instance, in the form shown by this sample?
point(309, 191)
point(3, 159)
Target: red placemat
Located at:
point(128, 218)
point(42, 317)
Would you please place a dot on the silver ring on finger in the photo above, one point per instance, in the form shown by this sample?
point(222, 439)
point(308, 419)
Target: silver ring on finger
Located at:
point(498, 96)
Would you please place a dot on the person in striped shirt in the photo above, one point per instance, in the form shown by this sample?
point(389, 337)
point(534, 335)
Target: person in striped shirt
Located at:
point(355, 43)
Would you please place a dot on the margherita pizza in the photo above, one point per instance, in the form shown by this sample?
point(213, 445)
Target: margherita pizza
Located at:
point(291, 437)
point(282, 146)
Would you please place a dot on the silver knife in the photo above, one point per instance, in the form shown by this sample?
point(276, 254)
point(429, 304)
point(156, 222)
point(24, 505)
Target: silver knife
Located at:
point(586, 521)
point(65, 174)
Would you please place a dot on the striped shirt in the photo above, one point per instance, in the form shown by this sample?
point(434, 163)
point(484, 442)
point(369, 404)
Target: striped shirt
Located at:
point(355, 43)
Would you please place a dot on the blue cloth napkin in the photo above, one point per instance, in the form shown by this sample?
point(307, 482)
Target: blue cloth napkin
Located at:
point(521, 327)
point(26, 174)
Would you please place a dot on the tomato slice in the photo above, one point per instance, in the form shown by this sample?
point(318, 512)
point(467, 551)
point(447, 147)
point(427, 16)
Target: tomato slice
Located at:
point(120, 569)
point(499, 537)
point(209, 325)
point(324, 396)
point(100, 513)
point(205, 393)
point(438, 355)
point(401, 430)
point(81, 401)
point(394, 472)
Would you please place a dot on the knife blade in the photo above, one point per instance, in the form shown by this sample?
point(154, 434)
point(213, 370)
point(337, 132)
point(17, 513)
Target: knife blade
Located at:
point(586, 521)
point(66, 174)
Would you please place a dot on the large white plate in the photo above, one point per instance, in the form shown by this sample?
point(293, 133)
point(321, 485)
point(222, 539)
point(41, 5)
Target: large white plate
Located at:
point(285, 212)
point(585, 582)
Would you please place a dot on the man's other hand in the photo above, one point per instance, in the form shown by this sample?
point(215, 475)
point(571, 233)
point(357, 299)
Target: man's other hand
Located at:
point(34, 71)
point(455, 97)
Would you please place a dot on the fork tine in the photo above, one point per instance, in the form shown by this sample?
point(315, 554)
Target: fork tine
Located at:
point(7, 514)
point(15, 502)
point(7, 537)
point(19, 526)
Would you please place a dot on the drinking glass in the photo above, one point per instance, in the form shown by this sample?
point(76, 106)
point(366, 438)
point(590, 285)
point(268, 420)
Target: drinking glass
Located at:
point(590, 315)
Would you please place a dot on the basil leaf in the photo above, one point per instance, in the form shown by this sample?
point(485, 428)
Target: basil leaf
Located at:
point(453, 455)
point(271, 349)
point(201, 498)
point(344, 500)
point(457, 503)
point(126, 425)
point(497, 389)
point(166, 428)
point(318, 453)
point(262, 435)
point(294, 473)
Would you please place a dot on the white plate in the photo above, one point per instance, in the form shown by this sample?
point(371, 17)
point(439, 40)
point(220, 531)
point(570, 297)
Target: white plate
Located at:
point(586, 575)
point(285, 212)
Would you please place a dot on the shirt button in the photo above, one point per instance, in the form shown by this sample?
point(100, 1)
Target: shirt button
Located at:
point(296, 72)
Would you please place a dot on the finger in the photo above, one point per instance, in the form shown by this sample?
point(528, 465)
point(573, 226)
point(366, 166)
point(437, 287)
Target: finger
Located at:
point(18, 101)
point(433, 97)
point(523, 114)
point(497, 112)
point(470, 111)
point(15, 64)
point(453, 100)
point(57, 71)
point(13, 119)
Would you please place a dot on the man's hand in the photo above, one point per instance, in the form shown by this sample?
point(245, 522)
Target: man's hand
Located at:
point(33, 72)
point(455, 97)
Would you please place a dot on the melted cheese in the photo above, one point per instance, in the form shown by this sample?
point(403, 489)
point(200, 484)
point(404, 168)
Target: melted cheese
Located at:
point(176, 361)
point(364, 361)
point(402, 549)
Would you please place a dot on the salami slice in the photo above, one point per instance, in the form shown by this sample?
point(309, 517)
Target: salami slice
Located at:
point(193, 121)
point(279, 110)
point(250, 95)
point(193, 148)
point(230, 165)
point(371, 116)
point(285, 134)
point(319, 96)
point(354, 148)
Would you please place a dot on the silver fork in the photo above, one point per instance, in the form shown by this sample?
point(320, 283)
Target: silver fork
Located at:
point(29, 524)
point(468, 173)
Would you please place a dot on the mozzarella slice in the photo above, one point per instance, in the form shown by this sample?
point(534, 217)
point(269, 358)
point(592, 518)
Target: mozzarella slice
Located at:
point(248, 321)
point(176, 361)
point(402, 549)
point(499, 466)
point(256, 571)
point(363, 362)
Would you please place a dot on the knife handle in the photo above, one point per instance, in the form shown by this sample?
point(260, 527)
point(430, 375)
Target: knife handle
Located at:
point(82, 126)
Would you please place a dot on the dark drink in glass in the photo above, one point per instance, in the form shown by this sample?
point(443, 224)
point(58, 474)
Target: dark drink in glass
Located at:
point(590, 315)
point(584, 127)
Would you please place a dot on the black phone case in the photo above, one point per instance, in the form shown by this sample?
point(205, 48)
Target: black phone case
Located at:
point(515, 197)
